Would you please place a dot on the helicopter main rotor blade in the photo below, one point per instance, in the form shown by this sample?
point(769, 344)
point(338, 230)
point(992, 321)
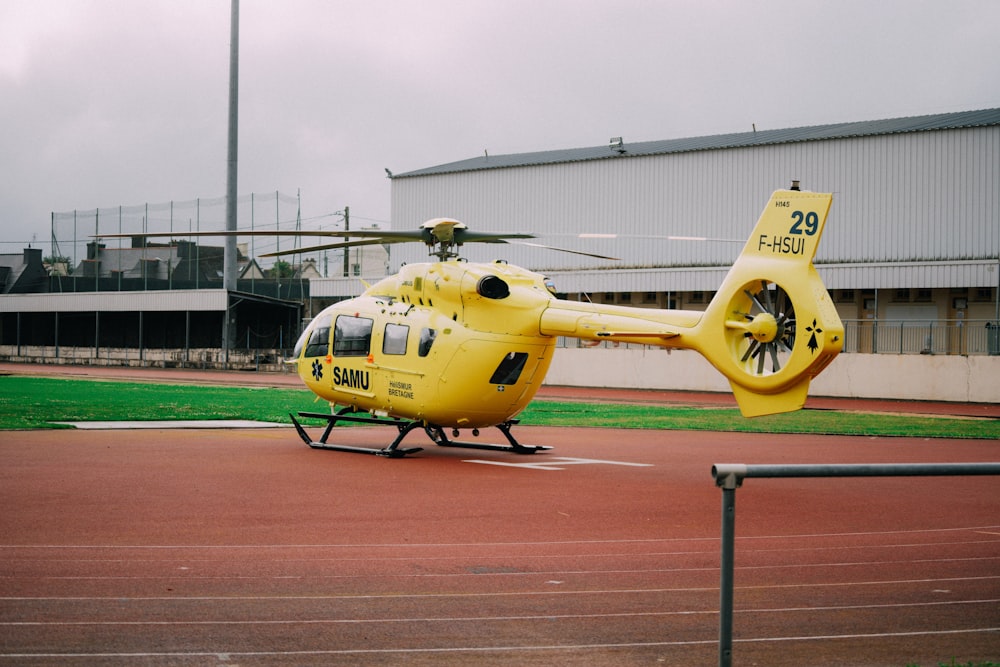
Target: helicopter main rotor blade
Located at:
point(399, 236)
point(575, 252)
point(467, 236)
point(331, 246)
point(184, 234)
point(653, 236)
point(443, 233)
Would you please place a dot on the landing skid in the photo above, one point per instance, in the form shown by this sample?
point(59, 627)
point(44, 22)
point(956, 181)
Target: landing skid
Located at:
point(393, 450)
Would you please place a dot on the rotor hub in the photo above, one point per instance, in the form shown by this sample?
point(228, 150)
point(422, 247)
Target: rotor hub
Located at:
point(763, 327)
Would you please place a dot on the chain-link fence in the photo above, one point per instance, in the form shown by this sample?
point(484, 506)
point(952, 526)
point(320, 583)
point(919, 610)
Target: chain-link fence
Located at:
point(178, 260)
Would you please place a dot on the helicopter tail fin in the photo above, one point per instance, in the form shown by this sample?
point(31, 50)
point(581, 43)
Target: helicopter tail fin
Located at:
point(772, 326)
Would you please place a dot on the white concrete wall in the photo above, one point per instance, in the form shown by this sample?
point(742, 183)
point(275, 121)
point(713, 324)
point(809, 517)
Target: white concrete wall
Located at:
point(906, 377)
point(212, 358)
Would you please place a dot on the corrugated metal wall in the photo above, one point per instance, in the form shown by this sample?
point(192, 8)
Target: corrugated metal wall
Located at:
point(915, 197)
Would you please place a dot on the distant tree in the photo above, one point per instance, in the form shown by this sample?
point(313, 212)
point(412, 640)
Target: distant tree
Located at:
point(281, 269)
point(58, 265)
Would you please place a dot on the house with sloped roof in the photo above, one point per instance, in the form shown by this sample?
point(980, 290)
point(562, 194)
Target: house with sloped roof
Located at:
point(23, 273)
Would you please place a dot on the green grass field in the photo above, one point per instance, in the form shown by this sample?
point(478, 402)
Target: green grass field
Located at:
point(32, 403)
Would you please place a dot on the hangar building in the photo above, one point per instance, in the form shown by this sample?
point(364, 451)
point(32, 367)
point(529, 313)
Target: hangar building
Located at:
point(913, 235)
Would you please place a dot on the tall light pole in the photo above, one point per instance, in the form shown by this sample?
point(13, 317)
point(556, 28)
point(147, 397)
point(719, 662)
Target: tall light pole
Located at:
point(229, 256)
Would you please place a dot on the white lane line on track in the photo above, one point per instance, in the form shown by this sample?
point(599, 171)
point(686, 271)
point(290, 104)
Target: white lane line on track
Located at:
point(481, 594)
point(478, 575)
point(493, 619)
point(535, 556)
point(399, 545)
point(171, 424)
point(226, 655)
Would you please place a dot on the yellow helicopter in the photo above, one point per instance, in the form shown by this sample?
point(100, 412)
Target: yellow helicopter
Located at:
point(451, 345)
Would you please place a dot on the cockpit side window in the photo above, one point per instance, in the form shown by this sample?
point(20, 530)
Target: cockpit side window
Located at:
point(319, 342)
point(352, 336)
point(427, 337)
point(394, 340)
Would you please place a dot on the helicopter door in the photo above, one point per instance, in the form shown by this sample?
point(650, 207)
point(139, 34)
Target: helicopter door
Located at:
point(352, 340)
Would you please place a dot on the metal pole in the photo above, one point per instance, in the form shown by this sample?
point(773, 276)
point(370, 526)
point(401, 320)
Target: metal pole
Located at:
point(97, 249)
point(734, 473)
point(170, 252)
point(347, 251)
point(875, 326)
point(996, 314)
point(229, 257)
point(120, 272)
point(145, 245)
point(75, 250)
point(726, 576)
point(229, 270)
point(730, 476)
point(142, 351)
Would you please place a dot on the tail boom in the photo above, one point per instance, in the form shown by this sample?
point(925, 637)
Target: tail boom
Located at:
point(771, 327)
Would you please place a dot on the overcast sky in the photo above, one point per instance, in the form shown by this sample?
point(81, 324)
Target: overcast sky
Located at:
point(122, 102)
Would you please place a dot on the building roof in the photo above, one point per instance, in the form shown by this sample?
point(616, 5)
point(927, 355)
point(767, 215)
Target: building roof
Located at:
point(943, 121)
point(22, 272)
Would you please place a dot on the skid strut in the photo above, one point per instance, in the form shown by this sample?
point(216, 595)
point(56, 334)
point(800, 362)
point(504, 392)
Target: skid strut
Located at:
point(437, 434)
point(393, 450)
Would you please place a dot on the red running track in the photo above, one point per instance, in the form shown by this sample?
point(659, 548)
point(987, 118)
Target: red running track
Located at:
point(209, 547)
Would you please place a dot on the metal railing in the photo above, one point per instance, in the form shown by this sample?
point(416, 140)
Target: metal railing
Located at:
point(959, 337)
point(730, 476)
point(251, 359)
